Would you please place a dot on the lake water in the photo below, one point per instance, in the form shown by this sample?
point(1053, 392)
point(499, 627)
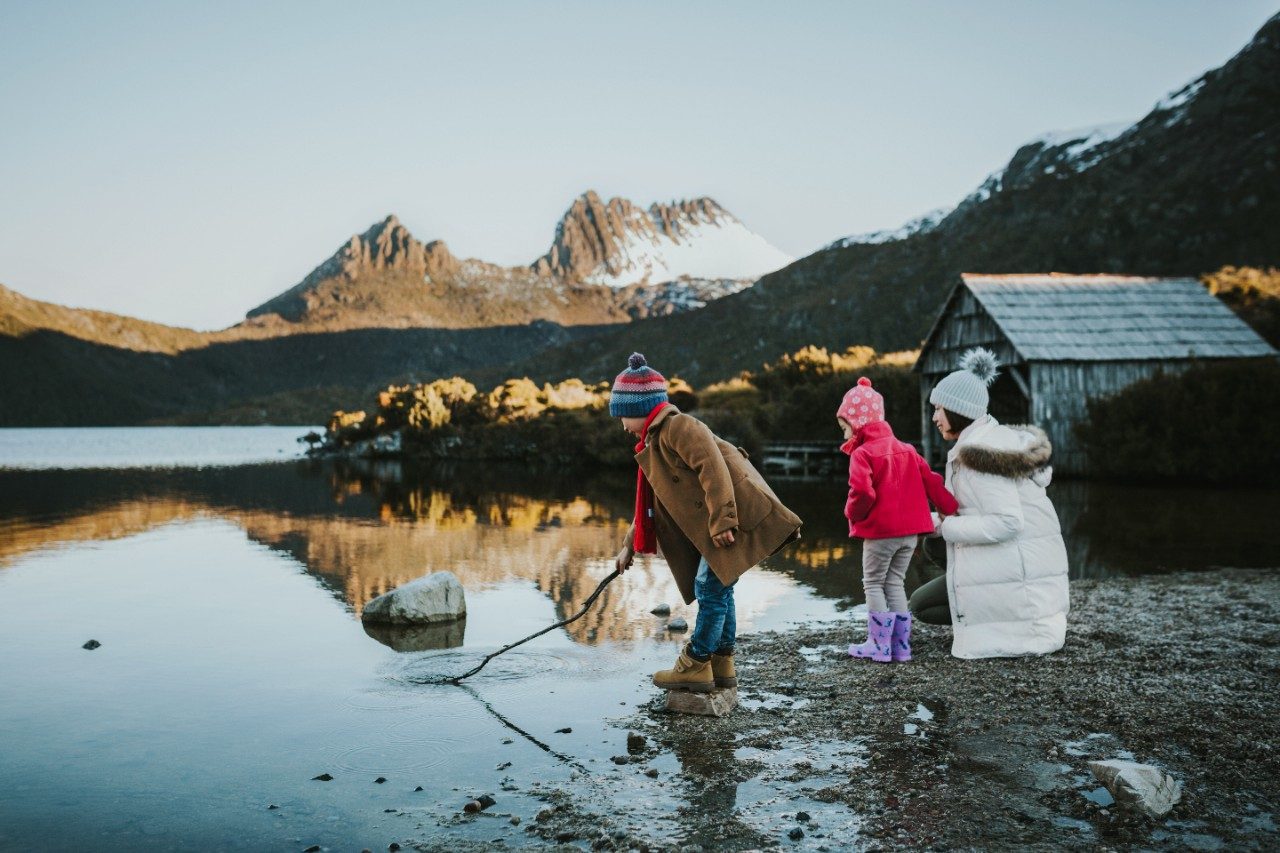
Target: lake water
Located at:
point(234, 667)
point(153, 447)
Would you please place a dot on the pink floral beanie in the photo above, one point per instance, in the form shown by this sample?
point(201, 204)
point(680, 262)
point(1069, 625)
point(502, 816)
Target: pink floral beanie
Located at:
point(861, 405)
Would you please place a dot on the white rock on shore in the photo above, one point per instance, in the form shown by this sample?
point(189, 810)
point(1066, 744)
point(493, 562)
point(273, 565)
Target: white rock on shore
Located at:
point(437, 597)
point(1149, 788)
point(717, 703)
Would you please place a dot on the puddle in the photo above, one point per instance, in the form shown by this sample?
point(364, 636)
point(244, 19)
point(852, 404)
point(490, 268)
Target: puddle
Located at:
point(921, 713)
point(1093, 746)
point(764, 701)
point(1099, 796)
point(1256, 820)
point(813, 654)
point(1082, 826)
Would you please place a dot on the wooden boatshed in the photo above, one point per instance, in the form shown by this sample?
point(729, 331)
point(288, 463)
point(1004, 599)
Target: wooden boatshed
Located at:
point(1063, 339)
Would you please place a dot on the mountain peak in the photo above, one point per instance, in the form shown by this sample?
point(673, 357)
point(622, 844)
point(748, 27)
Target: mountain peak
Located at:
point(385, 248)
point(619, 243)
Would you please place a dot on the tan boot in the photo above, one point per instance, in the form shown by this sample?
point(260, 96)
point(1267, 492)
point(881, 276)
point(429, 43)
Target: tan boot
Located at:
point(723, 671)
point(688, 674)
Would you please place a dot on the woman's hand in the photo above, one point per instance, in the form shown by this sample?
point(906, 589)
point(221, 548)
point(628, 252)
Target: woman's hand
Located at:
point(723, 540)
point(623, 561)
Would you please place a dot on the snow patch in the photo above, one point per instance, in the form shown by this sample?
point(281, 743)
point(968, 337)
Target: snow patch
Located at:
point(920, 225)
point(1179, 99)
point(700, 248)
point(1075, 144)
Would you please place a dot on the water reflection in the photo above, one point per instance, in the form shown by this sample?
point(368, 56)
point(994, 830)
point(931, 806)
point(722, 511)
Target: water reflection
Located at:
point(363, 529)
point(418, 638)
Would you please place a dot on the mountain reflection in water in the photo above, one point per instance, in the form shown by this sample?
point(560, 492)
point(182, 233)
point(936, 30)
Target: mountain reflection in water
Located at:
point(362, 529)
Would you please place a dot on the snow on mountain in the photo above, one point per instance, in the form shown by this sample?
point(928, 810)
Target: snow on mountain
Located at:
point(1075, 144)
point(619, 244)
point(919, 225)
point(1175, 103)
point(701, 247)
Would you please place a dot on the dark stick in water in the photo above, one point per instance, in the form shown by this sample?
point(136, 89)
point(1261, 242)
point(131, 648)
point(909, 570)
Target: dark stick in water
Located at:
point(586, 605)
point(541, 745)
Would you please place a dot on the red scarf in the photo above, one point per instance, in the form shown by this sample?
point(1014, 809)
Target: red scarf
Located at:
point(645, 540)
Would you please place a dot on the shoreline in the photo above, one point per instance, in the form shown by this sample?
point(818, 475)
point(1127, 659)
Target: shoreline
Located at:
point(1174, 670)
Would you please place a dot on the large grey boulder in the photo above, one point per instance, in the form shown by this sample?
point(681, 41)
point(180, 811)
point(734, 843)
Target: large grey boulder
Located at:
point(437, 597)
point(1148, 788)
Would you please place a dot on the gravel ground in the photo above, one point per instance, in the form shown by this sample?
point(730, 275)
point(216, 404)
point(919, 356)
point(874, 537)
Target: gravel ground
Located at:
point(826, 753)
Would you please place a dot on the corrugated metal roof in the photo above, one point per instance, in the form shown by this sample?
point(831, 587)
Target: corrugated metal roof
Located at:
point(1056, 317)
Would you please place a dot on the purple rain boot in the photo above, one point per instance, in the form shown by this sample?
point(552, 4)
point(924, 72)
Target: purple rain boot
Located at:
point(900, 642)
point(879, 636)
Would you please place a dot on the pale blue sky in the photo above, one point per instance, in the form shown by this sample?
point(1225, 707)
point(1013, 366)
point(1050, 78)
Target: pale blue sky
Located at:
point(183, 162)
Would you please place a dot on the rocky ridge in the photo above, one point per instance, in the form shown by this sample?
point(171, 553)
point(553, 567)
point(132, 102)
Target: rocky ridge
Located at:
point(1186, 190)
point(618, 243)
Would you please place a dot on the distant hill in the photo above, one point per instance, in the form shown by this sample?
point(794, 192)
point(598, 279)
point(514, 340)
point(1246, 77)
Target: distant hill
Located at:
point(1190, 188)
point(384, 307)
point(602, 267)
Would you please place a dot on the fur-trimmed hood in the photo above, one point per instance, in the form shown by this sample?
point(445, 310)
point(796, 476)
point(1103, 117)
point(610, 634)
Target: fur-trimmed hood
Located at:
point(1028, 453)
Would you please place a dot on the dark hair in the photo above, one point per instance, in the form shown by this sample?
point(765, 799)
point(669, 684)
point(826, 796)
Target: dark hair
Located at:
point(958, 423)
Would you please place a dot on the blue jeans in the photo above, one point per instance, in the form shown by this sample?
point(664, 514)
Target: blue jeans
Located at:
point(717, 626)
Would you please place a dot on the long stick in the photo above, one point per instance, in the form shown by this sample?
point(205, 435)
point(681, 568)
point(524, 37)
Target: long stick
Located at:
point(586, 605)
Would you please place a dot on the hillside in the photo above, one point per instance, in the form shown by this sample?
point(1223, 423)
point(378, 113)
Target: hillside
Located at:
point(610, 261)
point(384, 307)
point(1190, 188)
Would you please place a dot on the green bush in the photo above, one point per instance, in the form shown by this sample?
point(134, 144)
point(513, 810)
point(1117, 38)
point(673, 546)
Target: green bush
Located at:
point(1216, 423)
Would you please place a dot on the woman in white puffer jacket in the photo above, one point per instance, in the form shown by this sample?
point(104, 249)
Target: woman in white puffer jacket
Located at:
point(1006, 580)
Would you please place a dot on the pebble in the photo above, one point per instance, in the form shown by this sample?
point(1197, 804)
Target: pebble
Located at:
point(663, 609)
point(636, 742)
point(419, 788)
point(506, 741)
point(566, 730)
point(379, 780)
point(393, 847)
point(91, 645)
point(544, 814)
point(678, 624)
point(796, 834)
point(503, 766)
point(652, 773)
point(515, 820)
point(802, 816)
point(479, 804)
point(272, 807)
point(312, 849)
point(323, 777)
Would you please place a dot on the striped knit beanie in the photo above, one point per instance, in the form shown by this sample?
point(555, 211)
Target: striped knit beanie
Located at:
point(965, 390)
point(861, 405)
point(638, 390)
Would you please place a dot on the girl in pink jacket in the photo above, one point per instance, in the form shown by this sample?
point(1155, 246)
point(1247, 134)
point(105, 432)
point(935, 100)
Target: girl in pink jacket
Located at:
point(890, 489)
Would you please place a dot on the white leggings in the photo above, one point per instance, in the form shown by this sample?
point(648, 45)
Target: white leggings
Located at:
point(884, 569)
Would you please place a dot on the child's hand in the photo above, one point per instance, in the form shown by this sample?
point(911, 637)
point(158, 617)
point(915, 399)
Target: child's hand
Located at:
point(723, 540)
point(622, 562)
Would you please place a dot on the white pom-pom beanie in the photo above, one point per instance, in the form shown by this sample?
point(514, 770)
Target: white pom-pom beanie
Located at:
point(965, 391)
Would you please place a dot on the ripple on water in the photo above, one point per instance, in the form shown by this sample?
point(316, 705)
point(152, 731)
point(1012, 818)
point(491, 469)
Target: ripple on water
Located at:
point(514, 666)
point(394, 756)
